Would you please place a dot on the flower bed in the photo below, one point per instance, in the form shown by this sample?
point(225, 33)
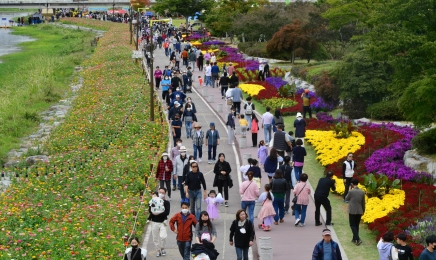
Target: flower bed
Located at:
point(278, 102)
point(277, 82)
point(80, 205)
point(251, 89)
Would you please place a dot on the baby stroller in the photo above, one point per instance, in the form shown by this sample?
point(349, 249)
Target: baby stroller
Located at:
point(205, 251)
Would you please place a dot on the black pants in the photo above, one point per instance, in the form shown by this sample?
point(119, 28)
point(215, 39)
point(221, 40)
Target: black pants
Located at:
point(354, 224)
point(237, 106)
point(347, 185)
point(167, 184)
point(166, 97)
point(325, 202)
point(307, 110)
point(261, 76)
point(224, 90)
point(157, 82)
point(254, 138)
point(223, 184)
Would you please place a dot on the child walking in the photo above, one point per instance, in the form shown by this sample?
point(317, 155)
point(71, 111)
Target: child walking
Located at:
point(244, 124)
point(262, 152)
point(267, 211)
point(212, 202)
point(200, 81)
point(254, 129)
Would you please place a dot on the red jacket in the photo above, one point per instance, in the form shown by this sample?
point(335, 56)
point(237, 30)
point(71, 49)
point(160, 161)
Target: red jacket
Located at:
point(184, 228)
point(161, 170)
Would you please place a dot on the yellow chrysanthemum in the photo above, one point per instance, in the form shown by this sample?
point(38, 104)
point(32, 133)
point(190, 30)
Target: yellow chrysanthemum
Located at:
point(331, 149)
point(251, 89)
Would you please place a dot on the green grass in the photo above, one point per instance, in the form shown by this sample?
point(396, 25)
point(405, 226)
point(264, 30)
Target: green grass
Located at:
point(339, 208)
point(16, 10)
point(37, 77)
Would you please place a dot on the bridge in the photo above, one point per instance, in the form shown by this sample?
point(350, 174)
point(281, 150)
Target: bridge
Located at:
point(75, 3)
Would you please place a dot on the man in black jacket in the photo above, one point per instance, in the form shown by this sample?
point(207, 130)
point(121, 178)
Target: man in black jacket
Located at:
point(321, 198)
point(286, 168)
point(159, 224)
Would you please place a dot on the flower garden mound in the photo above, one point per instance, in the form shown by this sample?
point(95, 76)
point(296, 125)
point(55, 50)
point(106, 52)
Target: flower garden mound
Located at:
point(82, 203)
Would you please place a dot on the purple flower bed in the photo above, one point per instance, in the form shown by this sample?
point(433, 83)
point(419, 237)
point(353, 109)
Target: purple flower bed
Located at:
point(214, 42)
point(311, 93)
point(276, 82)
point(321, 105)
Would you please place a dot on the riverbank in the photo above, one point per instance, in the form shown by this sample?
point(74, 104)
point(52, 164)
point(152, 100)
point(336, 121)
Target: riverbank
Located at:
point(37, 77)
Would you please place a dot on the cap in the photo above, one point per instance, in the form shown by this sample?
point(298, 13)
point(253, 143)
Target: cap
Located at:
point(212, 124)
point(182, 149)
point(299, 114)
point(191, 161)
point(176, 103)
point(197, 125)
point(177, 95)
point(164, 154)
point(326, 233)
point(306, 91)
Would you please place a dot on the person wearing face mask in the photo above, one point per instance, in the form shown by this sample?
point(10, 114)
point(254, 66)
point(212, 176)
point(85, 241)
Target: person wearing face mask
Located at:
point(429, 252)
point(197, 141)
point(179, 164)
point(175, 151)
point(165, 83)
point(181, 224)
point(135, 252)
point(189, 102)
point(163, 174)
point(176, 128)
point(189, 118)
point(159, 223)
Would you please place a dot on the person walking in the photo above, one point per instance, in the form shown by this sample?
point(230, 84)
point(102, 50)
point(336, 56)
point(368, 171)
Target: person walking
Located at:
point(237, 98)
point(278, 120)
point(302, 192)
point(166, 83)
point(321, 198)
point(163, 174)
point(386, 249)
point(234, 80)
point(356, 208)
point(267, 119)
point(212, 140)
point(261, 75)
point(135, 252)
point(189, 118)
point(254, 129)
point(348, 173)
point(326, 248)
point(300, 127)
point(249, 111)
point(215, 70)
point(158, 223)
point(181, 224)
point(286, 168)
point(224, 84)
point(278, 189)
point(242, 233)
point(208, 74)
point(176, 127)
point(197, 141)
point(404, 250)
point(175, 151)
point(299, 152)
point(271, 163)
point(231, 126)
point(250, 192)
point(179, 164)
point(192, 60)
point(213, 201)
point(262, 153)
point(230, 69)
point(281, 141)
point(222, 178)
point(429, 252)
point(205, 229)
point(157, 77)
point(200, 61)
point(193, 182)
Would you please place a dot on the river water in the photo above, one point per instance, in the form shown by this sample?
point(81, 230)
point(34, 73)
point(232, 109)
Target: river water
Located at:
point(9, 41)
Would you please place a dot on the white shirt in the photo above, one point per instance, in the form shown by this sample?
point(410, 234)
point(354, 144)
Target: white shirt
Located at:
point(213, 59)
point(261, 67)
point(208, 71)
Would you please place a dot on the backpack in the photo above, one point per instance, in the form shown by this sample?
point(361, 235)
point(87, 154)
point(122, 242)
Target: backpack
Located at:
point(157, 206)
point(249, 109)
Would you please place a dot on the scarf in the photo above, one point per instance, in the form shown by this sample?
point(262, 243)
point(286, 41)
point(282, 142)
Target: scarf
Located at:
point(241, 223)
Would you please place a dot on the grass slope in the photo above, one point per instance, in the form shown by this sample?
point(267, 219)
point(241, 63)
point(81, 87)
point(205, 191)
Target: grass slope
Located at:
point(36, 77)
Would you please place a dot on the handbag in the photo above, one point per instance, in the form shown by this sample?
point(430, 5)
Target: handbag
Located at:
point(230, 181)
point(294, 200)
point(229, 102)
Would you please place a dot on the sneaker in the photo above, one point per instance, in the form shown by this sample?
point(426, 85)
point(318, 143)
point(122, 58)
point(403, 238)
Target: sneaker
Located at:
point(282, 220)
point(358, 242)
point(297, 221)
point(169, 198)
point(199, 159)
point(226, 204)
point(209, 161)
point(174, 188)
point(301, 225)
point(286, 212)
point(318, 224)
point(163, 252)
point(158, 254)
point(346, 201)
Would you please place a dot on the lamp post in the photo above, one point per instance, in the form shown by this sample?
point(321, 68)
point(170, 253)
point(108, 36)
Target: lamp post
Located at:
point(113, 11)
point(130, 24)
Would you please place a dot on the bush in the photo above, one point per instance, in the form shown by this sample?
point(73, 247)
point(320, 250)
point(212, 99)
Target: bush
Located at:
point(242, 46)
point(257, 50)
point(425, 142)
point(385, 110)
point(355, 108)
point(327, 89)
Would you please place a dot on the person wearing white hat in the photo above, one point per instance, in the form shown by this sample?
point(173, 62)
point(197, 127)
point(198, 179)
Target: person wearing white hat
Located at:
point(326, 248)
point(179, 164)
point(300, 127)
point(163, 174)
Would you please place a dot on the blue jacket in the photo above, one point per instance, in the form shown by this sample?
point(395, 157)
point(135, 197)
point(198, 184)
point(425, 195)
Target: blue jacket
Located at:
point(165, 83)
point(230, 120)
point(318, 251)
point(212, 139)
point(270, 165)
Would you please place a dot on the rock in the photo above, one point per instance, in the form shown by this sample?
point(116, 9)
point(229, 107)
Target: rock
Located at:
point(362, 121)
point(409, 154)
point(431, 168)
point(36, 158)
point(413, 163)
point(56, 123)
point(11, 163)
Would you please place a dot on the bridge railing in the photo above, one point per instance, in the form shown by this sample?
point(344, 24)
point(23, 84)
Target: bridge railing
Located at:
point(43, 2)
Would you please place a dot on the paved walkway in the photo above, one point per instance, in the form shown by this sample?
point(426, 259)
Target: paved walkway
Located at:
point(288, 241)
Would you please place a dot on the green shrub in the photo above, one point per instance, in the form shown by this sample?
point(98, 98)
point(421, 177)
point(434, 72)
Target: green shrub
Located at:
point(425, 142)
point(385, 110)
point(242, 46)
point(257, 50)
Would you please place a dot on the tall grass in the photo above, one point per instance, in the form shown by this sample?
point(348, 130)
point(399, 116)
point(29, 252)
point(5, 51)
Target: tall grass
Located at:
point(37, 77)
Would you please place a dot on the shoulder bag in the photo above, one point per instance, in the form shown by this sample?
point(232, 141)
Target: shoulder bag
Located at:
point(294, 200)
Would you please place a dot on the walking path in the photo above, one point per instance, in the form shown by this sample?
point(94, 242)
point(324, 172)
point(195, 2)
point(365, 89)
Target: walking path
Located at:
point(287, 240)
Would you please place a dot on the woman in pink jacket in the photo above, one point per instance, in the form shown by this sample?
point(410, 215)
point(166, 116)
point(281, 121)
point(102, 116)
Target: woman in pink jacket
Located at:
point(302, 191)
point(250, 193)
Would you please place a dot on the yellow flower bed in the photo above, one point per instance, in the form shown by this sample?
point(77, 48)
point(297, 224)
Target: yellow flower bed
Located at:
point(376, 208)
point(331, 149)
point(251, 89)
point(196, 43)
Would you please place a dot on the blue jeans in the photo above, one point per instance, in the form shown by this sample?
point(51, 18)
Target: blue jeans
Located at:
point(242, 253)
point(279, 207)
point(184, 249)
point(166, 52)
point(174, 181)
point(298, 170)
point(200, 151)
point(181, 188)
point(248, 118)
point(208, 81)
point(195, 197)
point(300, 209)
point(267, 132)
point(188, 125)
point(211, 152)
point(250, 205)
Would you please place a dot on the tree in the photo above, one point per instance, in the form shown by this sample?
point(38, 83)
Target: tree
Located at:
point(183, 7)
point(139, 3)
point(327, 89)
